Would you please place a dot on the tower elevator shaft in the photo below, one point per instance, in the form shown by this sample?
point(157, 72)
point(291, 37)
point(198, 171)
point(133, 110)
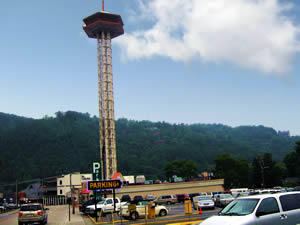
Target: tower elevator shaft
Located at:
point(106, 107)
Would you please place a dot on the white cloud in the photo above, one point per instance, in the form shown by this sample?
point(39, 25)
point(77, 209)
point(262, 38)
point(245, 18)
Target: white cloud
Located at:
point(255, 34)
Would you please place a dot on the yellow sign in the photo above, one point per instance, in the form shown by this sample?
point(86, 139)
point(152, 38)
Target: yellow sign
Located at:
point(104, 184)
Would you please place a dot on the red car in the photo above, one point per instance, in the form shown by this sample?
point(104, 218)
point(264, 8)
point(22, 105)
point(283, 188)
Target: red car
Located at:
point(182, 197)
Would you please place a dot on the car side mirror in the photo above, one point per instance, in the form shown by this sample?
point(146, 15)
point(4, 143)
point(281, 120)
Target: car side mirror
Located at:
point(258, 213)
point(47, 209)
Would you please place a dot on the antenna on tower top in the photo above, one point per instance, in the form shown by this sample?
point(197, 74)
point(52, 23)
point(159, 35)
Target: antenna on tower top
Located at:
point(102, 5)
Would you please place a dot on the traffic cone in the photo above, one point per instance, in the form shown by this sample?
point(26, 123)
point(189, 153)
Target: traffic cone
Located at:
point(200, 210)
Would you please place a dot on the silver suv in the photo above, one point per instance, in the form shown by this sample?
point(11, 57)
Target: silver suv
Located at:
point(32, 213)
point(166, 199)
point(266, 209)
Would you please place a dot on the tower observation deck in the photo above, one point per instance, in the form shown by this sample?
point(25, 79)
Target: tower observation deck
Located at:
point(104, 26)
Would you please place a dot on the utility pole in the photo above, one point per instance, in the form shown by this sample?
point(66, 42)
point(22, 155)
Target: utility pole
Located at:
point(262, 169)
point(73, 200)
point(17, 193)
point(71, 196)
point(42, 188)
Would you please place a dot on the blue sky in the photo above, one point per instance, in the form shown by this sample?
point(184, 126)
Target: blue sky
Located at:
point(188, 61)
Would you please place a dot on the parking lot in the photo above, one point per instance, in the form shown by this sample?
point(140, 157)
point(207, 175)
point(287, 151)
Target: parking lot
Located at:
point(176, 213)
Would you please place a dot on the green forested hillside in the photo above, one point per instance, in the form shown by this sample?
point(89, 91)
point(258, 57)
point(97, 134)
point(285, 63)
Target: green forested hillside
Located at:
point(34, 148)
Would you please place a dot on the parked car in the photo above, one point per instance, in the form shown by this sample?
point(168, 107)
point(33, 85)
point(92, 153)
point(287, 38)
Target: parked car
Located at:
point(2, 208)
point(192, 195)
point(142, 209)
point(12, 206)
point(166, 199)
point(214, 197)
point(150, 197)
point(33, 213)
point(82, 207)
point(203, 202)
point(182, 197)
point(105, 206)
point(125, 198)
point(137, 199)
point(223, 199)
point(238, 195)
point(279, 208)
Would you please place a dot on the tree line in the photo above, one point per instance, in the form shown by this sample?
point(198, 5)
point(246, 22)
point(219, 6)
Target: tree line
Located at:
point(262, 172)
point(69, 142)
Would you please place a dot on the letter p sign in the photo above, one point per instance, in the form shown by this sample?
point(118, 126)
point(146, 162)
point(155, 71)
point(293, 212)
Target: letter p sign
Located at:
point(96, 171)
point(96, 167)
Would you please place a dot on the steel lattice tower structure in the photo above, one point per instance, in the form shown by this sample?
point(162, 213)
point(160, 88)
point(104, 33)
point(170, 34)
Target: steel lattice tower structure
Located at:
point(105, 26)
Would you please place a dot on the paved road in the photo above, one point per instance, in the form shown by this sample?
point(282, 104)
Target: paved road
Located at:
point(57, 215)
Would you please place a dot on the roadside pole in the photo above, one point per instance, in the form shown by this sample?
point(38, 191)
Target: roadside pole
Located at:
point(73, 199)
point(96, 176)
point(96, 216)
point(114, 199)
point(70, 196)
point(17, 193)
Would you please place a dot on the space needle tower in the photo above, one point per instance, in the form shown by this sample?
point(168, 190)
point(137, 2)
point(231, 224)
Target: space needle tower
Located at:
point(104, 26)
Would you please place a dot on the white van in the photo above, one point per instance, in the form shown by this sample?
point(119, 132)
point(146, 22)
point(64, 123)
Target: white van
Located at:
point(266, 209)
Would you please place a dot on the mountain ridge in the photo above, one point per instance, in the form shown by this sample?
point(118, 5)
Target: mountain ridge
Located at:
point(69, 142)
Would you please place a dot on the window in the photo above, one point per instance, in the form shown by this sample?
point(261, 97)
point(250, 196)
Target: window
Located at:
point(109, 201)
point(60, 192)
point(60, 182)
point(290, 201)
point(30, 208)
point(240, 207)
point(268, 206)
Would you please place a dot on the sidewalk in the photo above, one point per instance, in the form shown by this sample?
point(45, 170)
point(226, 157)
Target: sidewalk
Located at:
point(59, 215)
point(76, 219)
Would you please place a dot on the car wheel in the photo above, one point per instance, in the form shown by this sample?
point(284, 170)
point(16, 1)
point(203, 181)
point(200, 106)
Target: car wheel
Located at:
point(134, 215)
point(20, 223)
point(162, 212)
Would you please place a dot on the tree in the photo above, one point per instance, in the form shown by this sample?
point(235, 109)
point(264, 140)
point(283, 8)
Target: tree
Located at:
point(266, 172)
point(234, 171)
point(187, 169)
point(292, 161)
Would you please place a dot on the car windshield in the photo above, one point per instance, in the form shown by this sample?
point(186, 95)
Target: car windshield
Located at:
point(101, 202)
point(200, 198)
point(143, 203)
point(225, 196)
point(30, 208)
point(239, 207)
